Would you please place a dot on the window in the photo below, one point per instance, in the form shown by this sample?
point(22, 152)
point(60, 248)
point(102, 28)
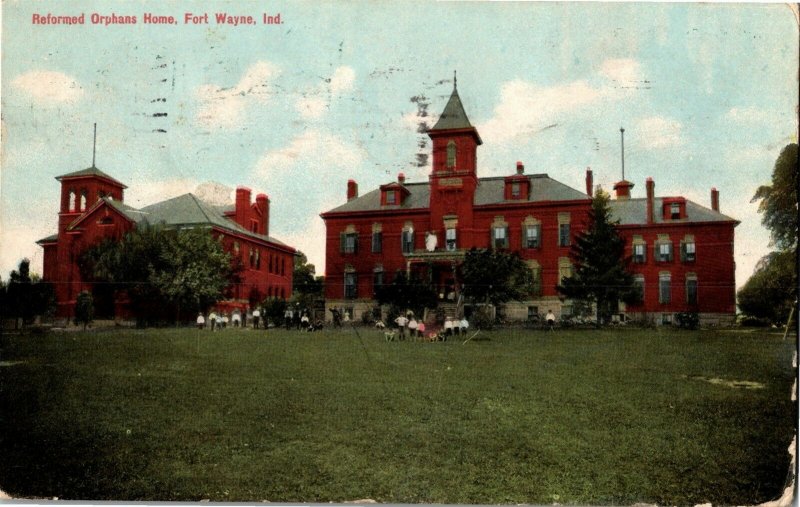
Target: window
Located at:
point(691, 291)
point(533, 313)
point(377, 242)
point(258, 258)
point(666, 319)
point(536, 281)
point(283, 266)
point(350, 288)
point(106, 221)
point(516, 190)
point(377, 280)
point(349, 242)
point(450, 239)
point(83, 201)
point(563, 235)
point(688, 251)
point(639, 253)
point(451, 155)
point(500, 237)
point(532, 235)
point(73, 202)
point(638, 285)
point(664, 288)
point(391, 197)
point(664, 252)
point(564, 268)
point(252, 257)
point(236, 248)
point(408, 241)
point(675, 211)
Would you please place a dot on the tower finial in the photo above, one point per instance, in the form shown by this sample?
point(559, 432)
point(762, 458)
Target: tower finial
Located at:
point(455, 80)
point(94, 143)
point(622, 141)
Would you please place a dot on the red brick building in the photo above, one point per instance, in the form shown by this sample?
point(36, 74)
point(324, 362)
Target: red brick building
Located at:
point(93, 208)
point(681, 252)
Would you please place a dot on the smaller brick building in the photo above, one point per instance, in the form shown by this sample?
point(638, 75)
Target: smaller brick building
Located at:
point(93, 208)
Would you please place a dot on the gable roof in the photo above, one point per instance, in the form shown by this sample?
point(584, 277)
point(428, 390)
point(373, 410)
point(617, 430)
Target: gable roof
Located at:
point(90, 171)
point(634, 212)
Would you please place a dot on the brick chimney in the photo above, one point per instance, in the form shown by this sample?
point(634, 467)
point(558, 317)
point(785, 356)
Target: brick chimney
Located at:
point(715, 199)
point(589, 181)
point(401, 178)
point(262, 202)
point(651, 189)
point(242, 206)
point(352, 190)
point(520, 167)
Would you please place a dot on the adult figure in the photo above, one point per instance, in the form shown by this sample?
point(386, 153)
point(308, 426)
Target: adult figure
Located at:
point(256, 317)
point(212, 320)
point(550, 318)
point(412, 327)
point(201, 321)
point(287, 318)
point(464, 326)
point(236, 318)
point(401, 322)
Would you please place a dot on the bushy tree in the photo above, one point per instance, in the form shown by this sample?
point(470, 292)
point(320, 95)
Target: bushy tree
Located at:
point(163, 270)
point(306, 286)
point(26, 295)
point(407, 293)
point(599, 272)
point(770, 292)
point(495, 276)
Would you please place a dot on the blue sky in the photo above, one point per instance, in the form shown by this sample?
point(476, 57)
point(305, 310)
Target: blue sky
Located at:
point(707, 95)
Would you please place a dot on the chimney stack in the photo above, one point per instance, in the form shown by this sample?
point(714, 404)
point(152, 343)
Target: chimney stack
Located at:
point(401, 178)
point(242, 206)
point(589, 181)
point(715, 199)
point(520, 167)
point(262, 201)
point(651, 188)
point(352, 190)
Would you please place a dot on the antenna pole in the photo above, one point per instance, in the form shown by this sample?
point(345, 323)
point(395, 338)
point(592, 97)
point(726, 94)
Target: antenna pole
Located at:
point(622, 140)
point(94, 143)
point(455, 80)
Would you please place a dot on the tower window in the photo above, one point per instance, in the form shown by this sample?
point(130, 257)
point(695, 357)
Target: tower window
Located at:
point(451, 155)
point(450, 239)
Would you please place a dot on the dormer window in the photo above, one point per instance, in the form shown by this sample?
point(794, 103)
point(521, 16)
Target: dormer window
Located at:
point(391, 197)
point(674, 208)
point(451, 155)
point(675, 211)
point(516, 190)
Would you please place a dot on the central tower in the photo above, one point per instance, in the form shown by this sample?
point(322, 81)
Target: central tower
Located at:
point(454, 176)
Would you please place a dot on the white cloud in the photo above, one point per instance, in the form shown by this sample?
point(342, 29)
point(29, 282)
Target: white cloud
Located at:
point(314, 103)
point(48, 87)
point(225, 107)
point(214, 193)
point(748, 115)
point(625, 71)
point(656, 132)
point(307, 153)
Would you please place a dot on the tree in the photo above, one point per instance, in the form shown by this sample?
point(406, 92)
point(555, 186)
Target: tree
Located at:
point(306, 287)
point(495, 276)
point(771, 291)
point(84, 309)
point(599, 272)
point(779, 200)
point(407, 293)
point(26, 296)
point(163, 271)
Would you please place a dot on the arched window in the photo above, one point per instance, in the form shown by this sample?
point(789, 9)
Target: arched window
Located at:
point(451, 154)
point(83, 200)
point(73, 201)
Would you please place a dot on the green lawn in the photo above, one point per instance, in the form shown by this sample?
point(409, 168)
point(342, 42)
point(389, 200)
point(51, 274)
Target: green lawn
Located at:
point(574, 417)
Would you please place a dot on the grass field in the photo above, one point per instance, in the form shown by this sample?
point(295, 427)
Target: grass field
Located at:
point(573, 417)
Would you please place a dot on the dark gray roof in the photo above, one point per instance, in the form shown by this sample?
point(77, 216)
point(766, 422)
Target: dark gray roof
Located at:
point(129, 211)
point(489, 191)
point(90, 171)
point(453, 116)
point(49, 239)
point(188, 210)
point(634, 212)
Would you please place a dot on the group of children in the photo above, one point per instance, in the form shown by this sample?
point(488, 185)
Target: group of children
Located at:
point(416, 329)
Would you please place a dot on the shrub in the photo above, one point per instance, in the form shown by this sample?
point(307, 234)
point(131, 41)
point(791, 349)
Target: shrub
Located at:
point(687, 320)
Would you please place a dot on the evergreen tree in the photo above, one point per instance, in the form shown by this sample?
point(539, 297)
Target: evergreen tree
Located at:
point(599, 272)
point(407, 293)
point(495, 276)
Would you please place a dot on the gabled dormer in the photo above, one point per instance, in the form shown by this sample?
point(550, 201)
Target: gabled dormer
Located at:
point(517, 186)
point(394, 193)
point(673, 208)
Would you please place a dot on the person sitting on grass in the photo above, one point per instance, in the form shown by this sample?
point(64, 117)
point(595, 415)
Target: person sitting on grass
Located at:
point(380, 325)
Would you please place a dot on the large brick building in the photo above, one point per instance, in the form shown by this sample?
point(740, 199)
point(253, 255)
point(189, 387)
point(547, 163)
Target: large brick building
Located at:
point(681, 252)
point(93, 208)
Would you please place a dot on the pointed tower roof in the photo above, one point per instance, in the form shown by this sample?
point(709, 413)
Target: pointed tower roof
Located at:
point(453, 116)
point(90, 171)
